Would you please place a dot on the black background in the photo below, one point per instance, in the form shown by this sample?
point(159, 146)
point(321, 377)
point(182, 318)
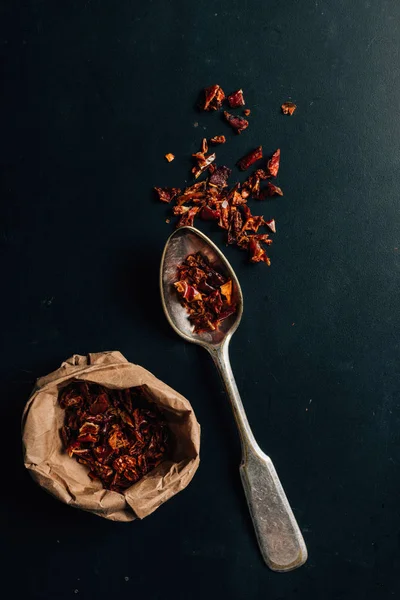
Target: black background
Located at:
point(93, 95)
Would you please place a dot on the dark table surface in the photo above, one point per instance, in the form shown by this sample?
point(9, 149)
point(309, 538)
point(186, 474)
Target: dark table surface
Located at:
point(93, 95)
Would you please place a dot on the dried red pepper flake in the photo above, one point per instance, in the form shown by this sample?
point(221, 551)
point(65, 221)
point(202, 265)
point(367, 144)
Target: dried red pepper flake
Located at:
point(236, 99)
point(167, 194)
point(203, 162)
point(210, 214)
point(170, 157)
point(288, 108)
point(271, 224)
point(237, 123)
point(257, 252)
point(214, 97)
point(246, 112)
point(119, 435)
point(235, 226)
point(204, 146)
point(212, 168)
point(220, 177)
point(273, 163)
point(211, 300)
point(270, 190)
point(250, 158)
point(224, 219)
point(188, 217)
point(218, 139)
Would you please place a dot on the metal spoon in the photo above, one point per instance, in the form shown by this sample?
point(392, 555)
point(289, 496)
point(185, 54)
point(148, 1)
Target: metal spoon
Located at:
point(279, 537)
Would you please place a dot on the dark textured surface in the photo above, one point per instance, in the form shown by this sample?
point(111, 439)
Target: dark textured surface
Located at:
point(93, 95)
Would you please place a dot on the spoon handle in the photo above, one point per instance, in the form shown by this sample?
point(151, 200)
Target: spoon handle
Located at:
point(281, 542)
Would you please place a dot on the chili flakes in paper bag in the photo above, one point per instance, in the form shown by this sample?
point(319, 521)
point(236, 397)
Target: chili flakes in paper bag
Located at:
point(68, 480)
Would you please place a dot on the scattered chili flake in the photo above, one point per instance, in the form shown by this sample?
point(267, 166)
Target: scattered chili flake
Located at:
point(204, 146)
point(170, 157)
point(270, 190)
point(250, 158)
point(210, 214)
point(288, 108)
point(167, 194)
point(119, 435)
point(203, 162)
point(246, 112)
point(237, 123)
point(271, 224)
point(218, 139)
point(257, 253)
point(236, 99)
point(188, 217)
point(220, 177)
point(273, 163)
point(205, 293)
point(214, 97)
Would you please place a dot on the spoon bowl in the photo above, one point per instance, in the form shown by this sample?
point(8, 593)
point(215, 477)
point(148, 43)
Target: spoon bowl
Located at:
point(181, 243)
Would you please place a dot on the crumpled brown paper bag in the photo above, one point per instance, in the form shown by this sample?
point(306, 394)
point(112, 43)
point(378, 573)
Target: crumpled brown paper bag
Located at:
point(66, 479)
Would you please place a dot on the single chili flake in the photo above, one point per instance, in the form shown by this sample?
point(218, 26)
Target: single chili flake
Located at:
point(204, 146)
point(236, 99)
point(210, 214)
point(271, 224)
point(250, 158)
point(288, 108)
point(257, 252)
point(204, 292)
point(273, 163)
point(218, 139)
point(188, 217)
point(167, 194)
point(203, 163)
point(246, 112)
point(170, 157)
point(235, 226)
point(226, 290)
point(270, 190)
point(220, 177)
point(117, 443)
point(237, 123)
point(224, 218)
point(214, 97)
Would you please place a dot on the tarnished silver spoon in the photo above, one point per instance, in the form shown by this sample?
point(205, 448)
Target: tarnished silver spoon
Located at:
point(279, 537)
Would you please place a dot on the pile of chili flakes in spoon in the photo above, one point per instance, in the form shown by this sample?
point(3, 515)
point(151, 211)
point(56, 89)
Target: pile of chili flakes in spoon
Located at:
point(213, 199)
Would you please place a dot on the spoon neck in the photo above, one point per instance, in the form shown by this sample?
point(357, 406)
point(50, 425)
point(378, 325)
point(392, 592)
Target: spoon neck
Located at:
point(220, 355)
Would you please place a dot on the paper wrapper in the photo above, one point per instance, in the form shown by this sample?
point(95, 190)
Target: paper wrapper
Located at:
point(66, 479)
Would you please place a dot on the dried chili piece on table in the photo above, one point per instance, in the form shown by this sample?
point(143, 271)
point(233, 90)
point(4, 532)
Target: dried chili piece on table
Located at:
point(250, 158)
point(205, 293)
point(218, 139)
point(237, 123)
point(203, 162)
point(204, 146)
point(273, 163)
point(220, 177)
point(214, 97)
point(236, 99)
point(288, 108)
point(188, 217)
point(257, 252)
point(246, 112)
point(170, 157)
point(270, 190)
point(119, 435)
point(167, 194)
point(271, 224)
